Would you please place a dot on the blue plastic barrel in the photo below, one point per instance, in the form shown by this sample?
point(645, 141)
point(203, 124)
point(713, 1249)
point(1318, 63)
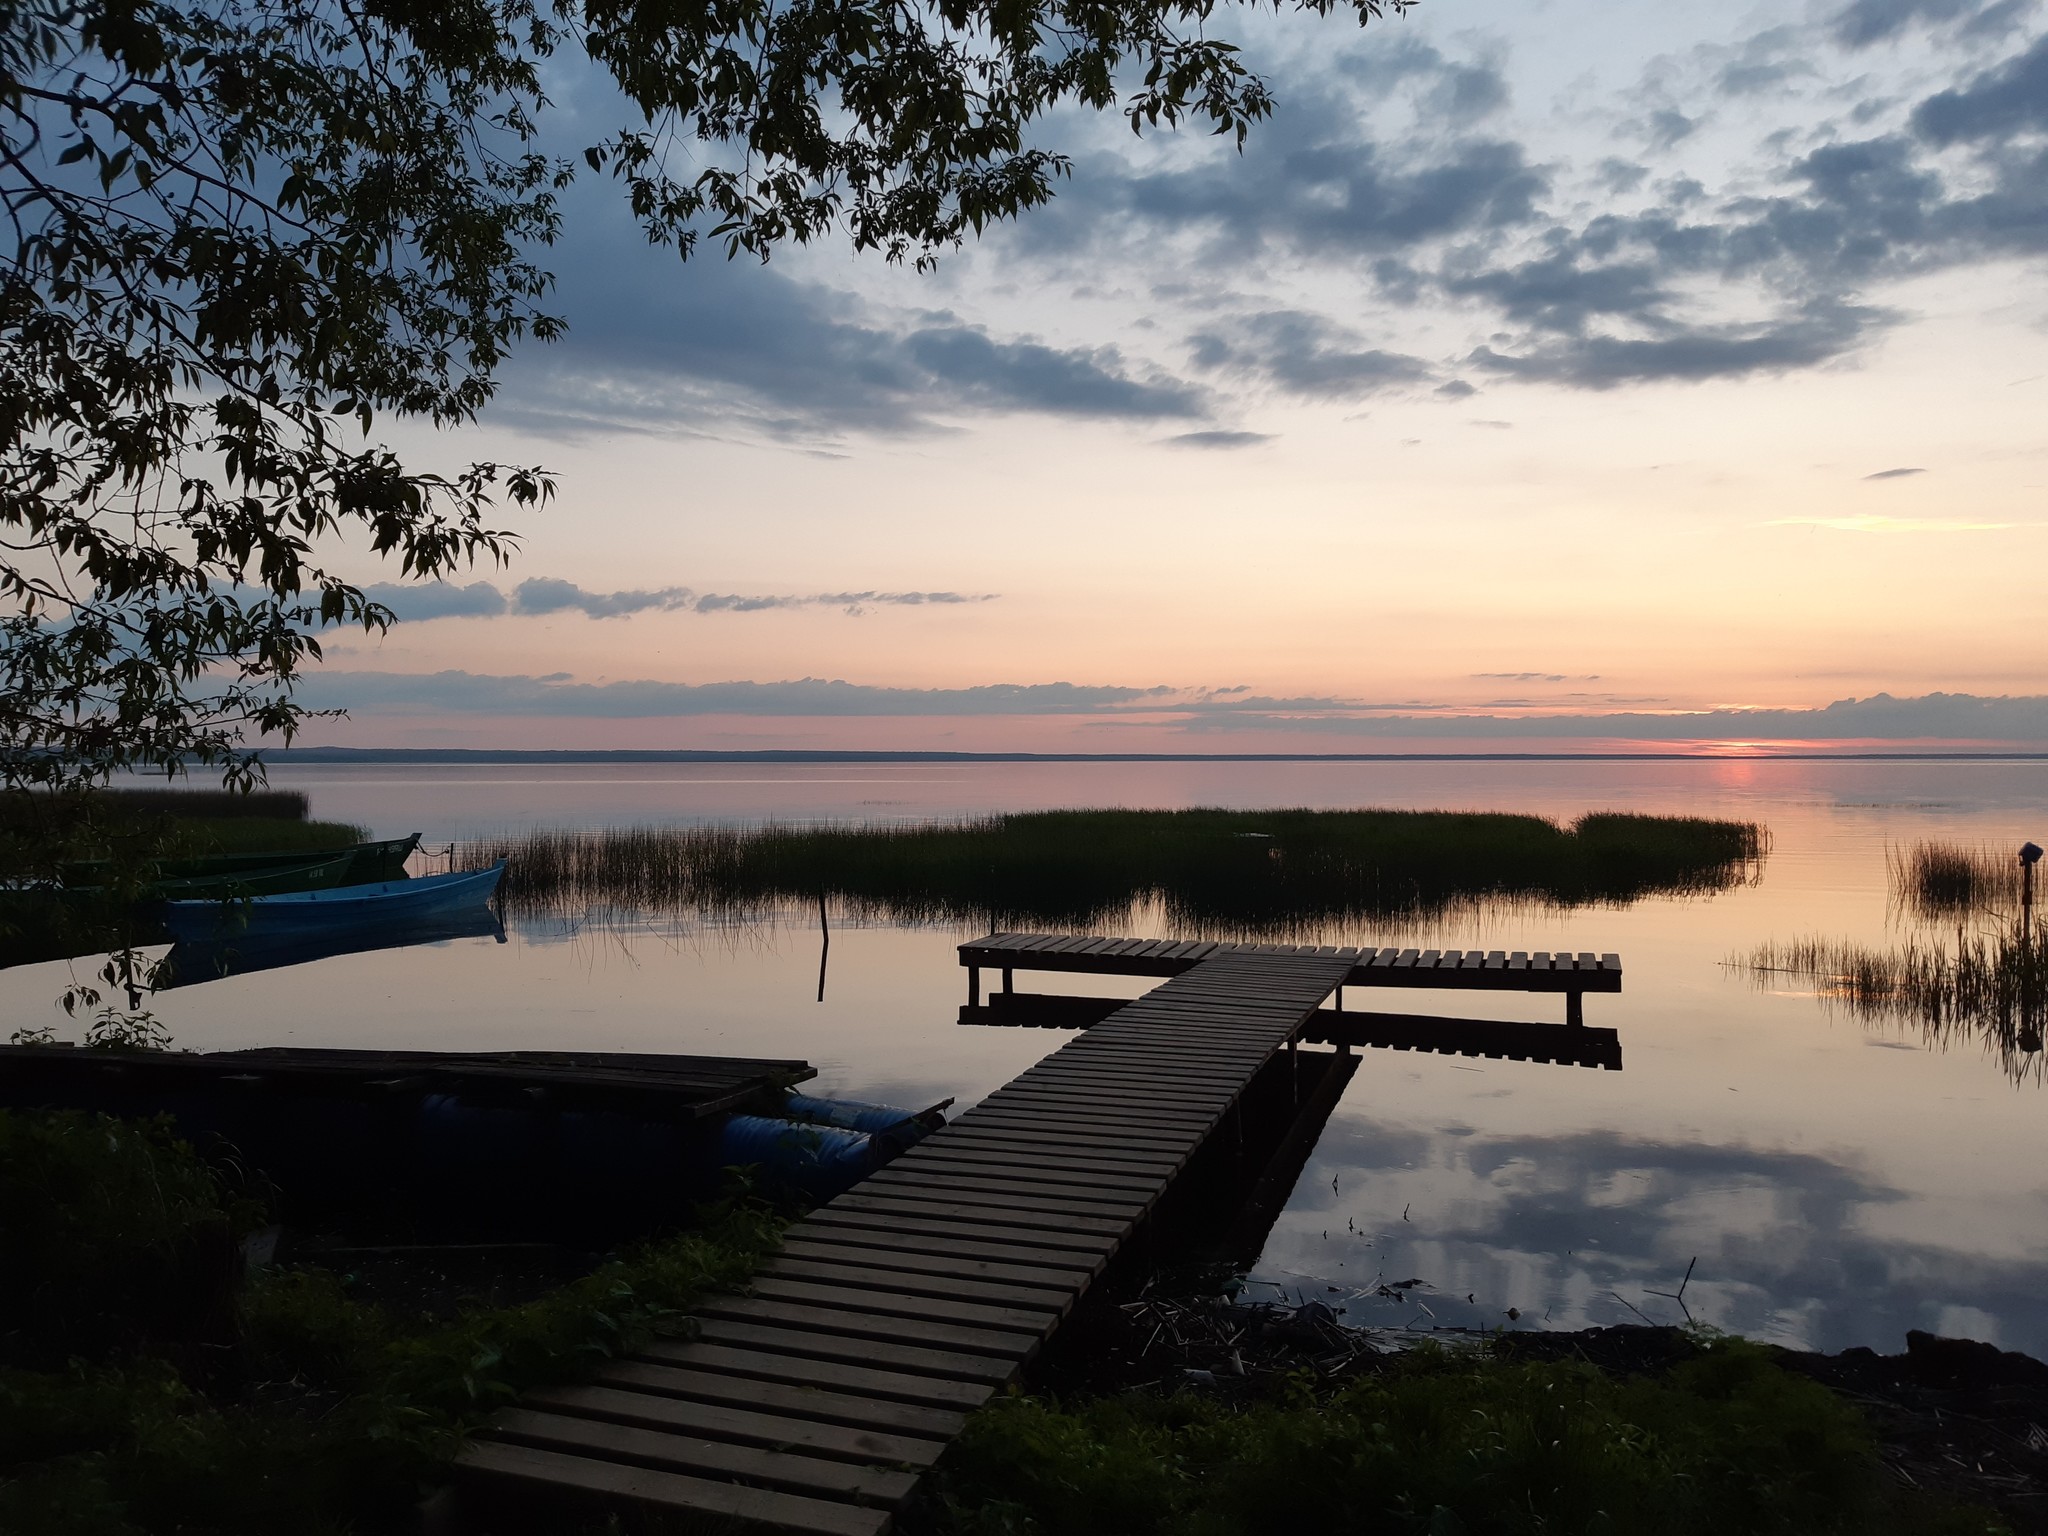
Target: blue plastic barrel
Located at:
point(822, 1160)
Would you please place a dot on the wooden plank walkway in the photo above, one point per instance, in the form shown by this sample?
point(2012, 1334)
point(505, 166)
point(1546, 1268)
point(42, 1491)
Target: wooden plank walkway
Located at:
point(1573, 975)
point(889, 1314)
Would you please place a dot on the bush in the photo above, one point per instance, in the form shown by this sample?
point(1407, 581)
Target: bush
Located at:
point(112, 1233)
point(314, 1411)
point(1440, 1445)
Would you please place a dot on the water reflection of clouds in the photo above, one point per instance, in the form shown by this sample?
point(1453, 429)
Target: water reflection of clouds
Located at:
point(1788, 1242)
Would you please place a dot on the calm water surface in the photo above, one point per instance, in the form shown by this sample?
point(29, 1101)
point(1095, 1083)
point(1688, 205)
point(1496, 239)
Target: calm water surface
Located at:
point(1836, 1184)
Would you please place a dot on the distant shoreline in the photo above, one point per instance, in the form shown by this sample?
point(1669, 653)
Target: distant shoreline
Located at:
point(331, 756)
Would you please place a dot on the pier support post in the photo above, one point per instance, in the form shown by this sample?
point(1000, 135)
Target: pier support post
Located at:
point(1575, 1008)
point(974, 986)
point(1006, 981)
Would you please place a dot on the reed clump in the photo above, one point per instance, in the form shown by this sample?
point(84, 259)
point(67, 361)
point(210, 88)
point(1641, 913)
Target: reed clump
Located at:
point(26, 808)
point(1212, 870)
point(1992, 987)
point(1944, 881)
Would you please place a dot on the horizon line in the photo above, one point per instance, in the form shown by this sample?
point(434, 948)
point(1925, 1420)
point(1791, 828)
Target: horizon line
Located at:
point(282, 756)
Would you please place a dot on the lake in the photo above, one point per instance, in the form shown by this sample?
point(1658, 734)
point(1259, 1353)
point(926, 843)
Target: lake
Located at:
point(1829, 1183)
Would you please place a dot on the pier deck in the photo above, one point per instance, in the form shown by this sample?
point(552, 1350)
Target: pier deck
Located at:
point(1494, 970)
point(815, 1403)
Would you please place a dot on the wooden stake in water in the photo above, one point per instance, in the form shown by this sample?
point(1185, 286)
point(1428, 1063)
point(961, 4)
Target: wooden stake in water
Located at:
point(824, 945)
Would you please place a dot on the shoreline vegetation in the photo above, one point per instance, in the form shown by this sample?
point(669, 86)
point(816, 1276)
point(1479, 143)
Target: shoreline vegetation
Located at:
point(1213, 872)
point(156, 1379)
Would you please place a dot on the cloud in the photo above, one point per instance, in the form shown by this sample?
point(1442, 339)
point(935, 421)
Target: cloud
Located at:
point(1303, 355)
point(1894, 474)
point(1764, 61)
point(548, 594)
point(1668, 127)
point(1313, 181)
point(1218, 439)
point(657, 346)
point(1931, 717)
point(1622, 176)
point(1869, 523)
point(1818, 333)
point(438, 599)
point(1998, 103)
point(387, 693)
point(1865, 22)
point(1771, 277)
point(1556, 293)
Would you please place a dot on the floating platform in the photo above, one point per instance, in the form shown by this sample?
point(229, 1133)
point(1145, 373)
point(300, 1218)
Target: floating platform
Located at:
point(582, 1148)
point(667, 1087)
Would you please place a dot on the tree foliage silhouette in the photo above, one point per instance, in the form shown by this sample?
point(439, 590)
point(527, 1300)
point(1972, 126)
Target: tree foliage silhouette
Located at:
point(247, 232)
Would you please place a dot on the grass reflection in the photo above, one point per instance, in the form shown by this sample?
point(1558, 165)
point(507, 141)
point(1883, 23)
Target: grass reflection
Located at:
point(1990, 986)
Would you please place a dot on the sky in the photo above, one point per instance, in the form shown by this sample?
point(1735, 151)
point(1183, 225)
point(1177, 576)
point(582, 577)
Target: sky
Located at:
point(1542, 376)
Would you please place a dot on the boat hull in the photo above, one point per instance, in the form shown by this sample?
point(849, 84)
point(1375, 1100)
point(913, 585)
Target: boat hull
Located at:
point(300, 913)
point(367, 864)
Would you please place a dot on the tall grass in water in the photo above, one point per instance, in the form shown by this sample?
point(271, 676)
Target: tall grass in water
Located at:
point(1944, 881)
point(1212, 870)
point(1992, 987)
point(21, 809)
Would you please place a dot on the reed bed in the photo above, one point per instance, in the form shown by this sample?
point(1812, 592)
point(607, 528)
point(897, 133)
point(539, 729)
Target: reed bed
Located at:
point(1213, 871)
point(1990, 987)
point(30, 808)
point(1944, 881)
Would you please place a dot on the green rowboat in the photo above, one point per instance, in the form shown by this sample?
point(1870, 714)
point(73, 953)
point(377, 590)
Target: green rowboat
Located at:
point(368, 864)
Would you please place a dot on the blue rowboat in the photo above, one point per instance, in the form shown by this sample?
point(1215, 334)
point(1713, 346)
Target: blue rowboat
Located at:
point(431, 898)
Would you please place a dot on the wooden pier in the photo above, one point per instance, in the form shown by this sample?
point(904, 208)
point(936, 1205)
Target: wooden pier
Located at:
point(815, 1403)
